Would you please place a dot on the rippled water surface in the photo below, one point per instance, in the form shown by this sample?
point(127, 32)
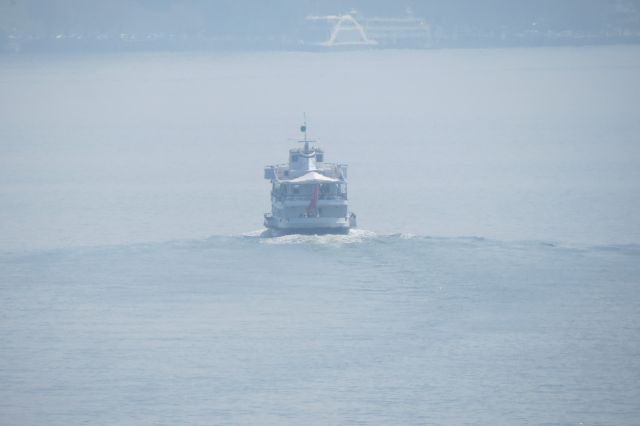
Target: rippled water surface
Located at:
point(495, 280)
point(322, 330)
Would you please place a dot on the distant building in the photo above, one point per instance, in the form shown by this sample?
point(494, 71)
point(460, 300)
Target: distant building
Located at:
point(346, 30)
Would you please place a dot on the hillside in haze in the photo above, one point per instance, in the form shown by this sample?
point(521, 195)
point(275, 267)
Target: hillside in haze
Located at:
point(280, 24)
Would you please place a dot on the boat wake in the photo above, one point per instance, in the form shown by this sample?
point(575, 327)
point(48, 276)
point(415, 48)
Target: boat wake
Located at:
point(268, 236)
point(264, 237)
point(358, 236)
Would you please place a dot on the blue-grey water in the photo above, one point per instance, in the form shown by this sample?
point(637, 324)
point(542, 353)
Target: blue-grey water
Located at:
point(494, 280)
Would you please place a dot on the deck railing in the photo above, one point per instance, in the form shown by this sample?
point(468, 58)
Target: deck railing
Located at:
point(307, 197)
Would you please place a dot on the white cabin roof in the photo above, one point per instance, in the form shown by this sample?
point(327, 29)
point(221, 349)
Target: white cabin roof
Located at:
point(312, 177)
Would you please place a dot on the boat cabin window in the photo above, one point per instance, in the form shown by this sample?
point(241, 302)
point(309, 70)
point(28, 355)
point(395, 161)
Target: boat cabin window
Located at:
point(329, 188)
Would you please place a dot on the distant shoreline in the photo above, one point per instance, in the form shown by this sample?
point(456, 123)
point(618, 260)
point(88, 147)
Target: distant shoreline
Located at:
point(69, 44)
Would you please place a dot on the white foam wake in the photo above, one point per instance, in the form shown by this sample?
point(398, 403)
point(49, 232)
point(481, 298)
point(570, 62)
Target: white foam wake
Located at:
point(354, 236)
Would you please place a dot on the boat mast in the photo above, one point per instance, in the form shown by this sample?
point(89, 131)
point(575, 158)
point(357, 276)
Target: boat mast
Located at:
point(303, 129)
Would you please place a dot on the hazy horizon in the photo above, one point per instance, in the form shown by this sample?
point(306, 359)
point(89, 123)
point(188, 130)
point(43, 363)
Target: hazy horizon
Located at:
point(62, 25)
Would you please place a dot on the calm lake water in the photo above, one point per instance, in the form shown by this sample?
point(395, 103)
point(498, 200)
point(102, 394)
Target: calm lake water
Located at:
point(495, 278)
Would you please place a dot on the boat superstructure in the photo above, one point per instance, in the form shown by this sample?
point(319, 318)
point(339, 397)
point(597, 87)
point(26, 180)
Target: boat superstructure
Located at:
point(308, 195)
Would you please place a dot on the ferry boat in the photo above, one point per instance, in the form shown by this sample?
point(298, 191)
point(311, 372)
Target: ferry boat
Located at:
point(308, 195)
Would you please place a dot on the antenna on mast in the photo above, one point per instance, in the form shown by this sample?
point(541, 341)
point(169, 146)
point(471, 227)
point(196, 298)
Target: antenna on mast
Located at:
point(303, 129)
